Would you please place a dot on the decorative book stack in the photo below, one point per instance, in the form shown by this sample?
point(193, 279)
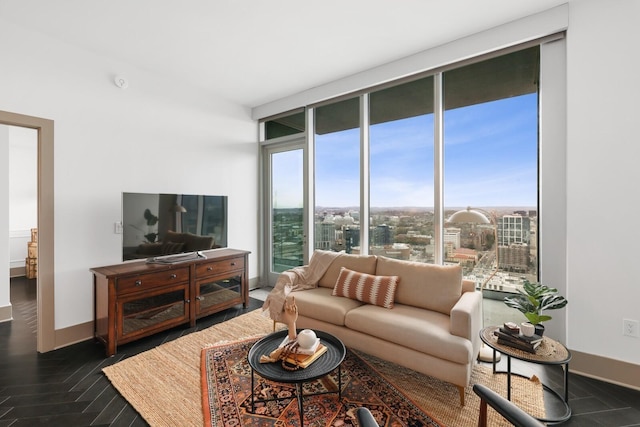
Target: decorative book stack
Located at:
point(303, 360)
point(303, 357)
point(513, 338)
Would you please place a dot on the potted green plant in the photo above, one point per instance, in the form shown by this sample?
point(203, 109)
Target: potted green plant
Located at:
point(533, 299)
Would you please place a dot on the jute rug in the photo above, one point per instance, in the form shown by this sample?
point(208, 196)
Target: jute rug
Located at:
point(164, 384)
point(227, 399)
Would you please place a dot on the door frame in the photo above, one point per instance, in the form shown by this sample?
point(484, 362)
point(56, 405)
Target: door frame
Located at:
point(46, 338)
point(288, 143)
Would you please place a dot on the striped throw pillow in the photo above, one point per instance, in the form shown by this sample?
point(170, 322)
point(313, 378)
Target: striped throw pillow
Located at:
point(378, 290)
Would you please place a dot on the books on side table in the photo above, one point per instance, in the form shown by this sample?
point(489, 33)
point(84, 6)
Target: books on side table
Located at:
point(513, 338)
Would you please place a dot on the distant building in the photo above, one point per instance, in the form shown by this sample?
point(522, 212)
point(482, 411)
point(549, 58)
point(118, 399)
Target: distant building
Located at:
point(351, 236)
point(467, 258)
point(452, 235)
point(514, 257)
point(514, 229)
point(325, 235)
point(395, 251)
point(381, 235)
point(514, 239)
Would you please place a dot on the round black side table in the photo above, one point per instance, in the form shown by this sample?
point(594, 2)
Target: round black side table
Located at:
point(550, 352)
point(322, 366)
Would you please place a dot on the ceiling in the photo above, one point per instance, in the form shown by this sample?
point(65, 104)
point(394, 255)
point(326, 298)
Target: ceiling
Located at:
point(255, 51)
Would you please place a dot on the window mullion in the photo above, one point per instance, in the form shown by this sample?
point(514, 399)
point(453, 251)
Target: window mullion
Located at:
point(438, 169)
point(364, 173)
point(309, 183)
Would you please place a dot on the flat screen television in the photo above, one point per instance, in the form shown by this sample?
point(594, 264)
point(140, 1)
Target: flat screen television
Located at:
point(157, 224)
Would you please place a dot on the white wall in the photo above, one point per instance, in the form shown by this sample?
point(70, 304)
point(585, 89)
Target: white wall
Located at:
point(603, 176)
point(156, 136)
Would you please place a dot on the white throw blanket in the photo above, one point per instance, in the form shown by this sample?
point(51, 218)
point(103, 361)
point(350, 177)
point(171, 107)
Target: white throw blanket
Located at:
point(297, 279)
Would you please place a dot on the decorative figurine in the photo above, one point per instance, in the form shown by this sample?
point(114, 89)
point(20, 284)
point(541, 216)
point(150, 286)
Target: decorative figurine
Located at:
point(289, 317)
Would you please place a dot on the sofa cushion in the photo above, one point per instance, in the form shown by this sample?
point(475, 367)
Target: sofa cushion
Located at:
point(415, 328)
point(434, 287)
point(319, 304)
point(378, 290)
point(361, 263)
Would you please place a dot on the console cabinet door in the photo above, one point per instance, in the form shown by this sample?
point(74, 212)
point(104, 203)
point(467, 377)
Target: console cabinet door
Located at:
point(214, 293)
point(139, 314)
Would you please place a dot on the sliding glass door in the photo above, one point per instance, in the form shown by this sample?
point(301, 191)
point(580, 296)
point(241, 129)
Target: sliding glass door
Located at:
point(284, 213)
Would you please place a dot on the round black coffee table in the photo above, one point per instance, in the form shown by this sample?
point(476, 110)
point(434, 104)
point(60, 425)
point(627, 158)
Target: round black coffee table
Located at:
point(322, 366)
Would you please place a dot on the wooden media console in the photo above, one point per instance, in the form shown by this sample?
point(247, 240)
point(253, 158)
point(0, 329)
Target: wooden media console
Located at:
point(133, 300)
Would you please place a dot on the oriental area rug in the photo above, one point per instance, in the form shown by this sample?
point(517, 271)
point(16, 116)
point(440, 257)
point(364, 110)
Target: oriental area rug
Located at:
point(227, 395)
point(167, 384)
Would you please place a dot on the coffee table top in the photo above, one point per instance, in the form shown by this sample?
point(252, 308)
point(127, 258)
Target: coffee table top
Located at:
point(550, 351)
point(326, 363)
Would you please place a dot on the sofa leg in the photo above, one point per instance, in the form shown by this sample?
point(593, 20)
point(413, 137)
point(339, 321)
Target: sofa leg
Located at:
point(461, 391)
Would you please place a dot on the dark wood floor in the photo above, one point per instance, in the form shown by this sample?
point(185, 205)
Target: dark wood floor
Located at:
point(66, 387)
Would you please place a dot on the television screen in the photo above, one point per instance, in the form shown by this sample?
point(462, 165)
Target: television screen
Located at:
point(165, 224)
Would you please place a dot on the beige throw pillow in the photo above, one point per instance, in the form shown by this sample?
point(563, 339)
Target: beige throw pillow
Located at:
point(377, 290)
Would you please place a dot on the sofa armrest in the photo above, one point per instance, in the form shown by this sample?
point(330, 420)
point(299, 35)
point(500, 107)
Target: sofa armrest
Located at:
point(466, 317)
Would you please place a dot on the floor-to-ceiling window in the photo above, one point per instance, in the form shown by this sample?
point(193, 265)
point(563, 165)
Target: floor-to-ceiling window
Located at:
point(401, 172)
point(489, 151)
point(491, 166)
point(337, 176)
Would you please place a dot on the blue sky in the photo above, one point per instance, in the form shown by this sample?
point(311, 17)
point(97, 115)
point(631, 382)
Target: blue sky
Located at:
point(490, 160)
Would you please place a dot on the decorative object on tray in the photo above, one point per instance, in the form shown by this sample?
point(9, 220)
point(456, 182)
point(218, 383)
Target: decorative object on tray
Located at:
point(293, 355)
point(535, 298)
point(296, 350)
point(512, 337)
point(307, 340)
point(290, 316)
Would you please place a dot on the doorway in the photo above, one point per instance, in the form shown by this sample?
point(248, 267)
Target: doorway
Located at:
point(284, 204)
point(46, 340)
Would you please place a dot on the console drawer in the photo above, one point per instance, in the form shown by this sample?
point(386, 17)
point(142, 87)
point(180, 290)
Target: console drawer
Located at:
point(151, 280)
point(219, 267)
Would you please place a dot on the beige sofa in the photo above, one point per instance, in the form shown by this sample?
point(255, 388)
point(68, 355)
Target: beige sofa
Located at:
point(433, 326)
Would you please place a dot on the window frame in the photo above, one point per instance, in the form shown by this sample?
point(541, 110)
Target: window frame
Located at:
point(552, 228)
